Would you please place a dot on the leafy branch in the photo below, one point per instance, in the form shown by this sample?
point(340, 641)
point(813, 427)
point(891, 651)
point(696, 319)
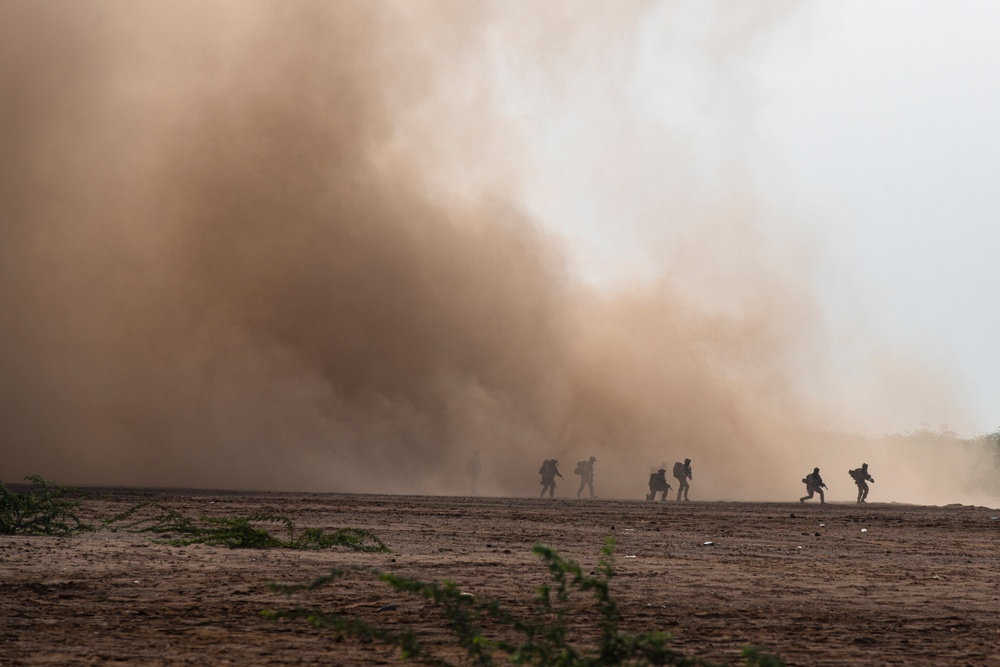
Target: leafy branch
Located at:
point(484, 629)
point(43, 509)
point(238, 532)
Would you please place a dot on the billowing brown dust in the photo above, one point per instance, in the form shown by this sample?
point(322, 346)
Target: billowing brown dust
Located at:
point(280, 247)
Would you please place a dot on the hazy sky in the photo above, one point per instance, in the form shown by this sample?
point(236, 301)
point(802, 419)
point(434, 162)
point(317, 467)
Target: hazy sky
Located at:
point(886, 120)
point(277, 245)
point(873, 128)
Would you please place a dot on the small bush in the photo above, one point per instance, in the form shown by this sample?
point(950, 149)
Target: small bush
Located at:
point(238, 532)
point(755, 658)
point(539, 639)
point(41, 510)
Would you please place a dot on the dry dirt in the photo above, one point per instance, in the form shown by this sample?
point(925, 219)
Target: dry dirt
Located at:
point(920, 586)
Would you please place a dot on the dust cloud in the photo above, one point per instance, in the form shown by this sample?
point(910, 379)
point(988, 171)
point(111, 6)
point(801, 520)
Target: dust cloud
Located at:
point(284, 246)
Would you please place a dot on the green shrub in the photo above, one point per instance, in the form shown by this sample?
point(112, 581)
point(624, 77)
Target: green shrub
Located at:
point(484, 629)
point(41, 510)
point(755, 658)
point(238, 532)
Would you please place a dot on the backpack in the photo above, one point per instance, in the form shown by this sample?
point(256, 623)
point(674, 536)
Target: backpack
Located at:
point(857, 475)
point(581, 468)
point(679, 470)
point(545, 466)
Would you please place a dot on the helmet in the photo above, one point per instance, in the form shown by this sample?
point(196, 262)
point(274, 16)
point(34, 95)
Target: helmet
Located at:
point(662, 470)
point(815, 469)
point(864, 465)
point(593, 458)
point(687, 460)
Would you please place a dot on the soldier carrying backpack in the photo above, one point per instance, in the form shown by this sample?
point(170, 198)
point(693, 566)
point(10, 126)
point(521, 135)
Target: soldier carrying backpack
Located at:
point(548, 471)
point(658, 484)
point(682, 473)
point(861, 477)
point(585, 469)
point(814, 483)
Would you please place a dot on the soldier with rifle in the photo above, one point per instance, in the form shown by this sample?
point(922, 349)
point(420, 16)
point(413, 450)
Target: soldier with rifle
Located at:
point(658, 484)
point(549, 471)
point(861, 477)
point(814, 484)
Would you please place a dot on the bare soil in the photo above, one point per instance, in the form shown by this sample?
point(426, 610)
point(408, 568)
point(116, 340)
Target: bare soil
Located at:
point(836, 584)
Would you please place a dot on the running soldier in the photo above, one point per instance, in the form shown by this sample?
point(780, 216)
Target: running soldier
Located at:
point(861, 478)
point(658, 484)
point(585, 469)
point(682, 473)
point(549, 471)
point(814, 484)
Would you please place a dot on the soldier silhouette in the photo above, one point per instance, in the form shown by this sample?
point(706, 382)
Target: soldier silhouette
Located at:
point(814, 484)
point(658, 484)
point(585, 469)
point(861, 478)
point(682, 473)
point(549, 471)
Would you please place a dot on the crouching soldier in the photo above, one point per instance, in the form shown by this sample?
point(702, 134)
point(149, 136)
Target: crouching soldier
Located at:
point(658, 484)
point(814, 484)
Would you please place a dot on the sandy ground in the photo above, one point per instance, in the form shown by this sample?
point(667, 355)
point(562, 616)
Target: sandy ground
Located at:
point(818, 585)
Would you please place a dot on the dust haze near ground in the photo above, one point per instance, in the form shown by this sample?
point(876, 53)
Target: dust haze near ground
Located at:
point(281, 247)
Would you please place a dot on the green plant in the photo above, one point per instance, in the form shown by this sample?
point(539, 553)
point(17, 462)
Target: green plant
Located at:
point(755, 658)
point(485, 628)
point(43, 509)
point(238, 532)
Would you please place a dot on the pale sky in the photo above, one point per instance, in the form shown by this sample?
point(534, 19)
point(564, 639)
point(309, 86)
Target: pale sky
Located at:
point(873, 124)
point(885, 114)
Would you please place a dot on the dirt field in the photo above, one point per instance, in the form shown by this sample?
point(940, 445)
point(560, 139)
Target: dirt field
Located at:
point(921, 586)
